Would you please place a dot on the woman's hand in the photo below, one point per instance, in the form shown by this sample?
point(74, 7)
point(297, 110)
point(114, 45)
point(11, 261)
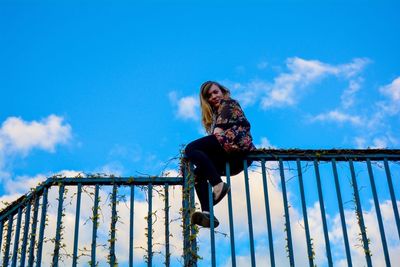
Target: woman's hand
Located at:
point(218, 131)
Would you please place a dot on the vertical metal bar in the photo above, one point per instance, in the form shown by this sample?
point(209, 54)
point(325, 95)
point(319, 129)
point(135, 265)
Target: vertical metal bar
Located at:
point(378, 213)
point(76, 232)
point(185, 217)
point(131, 212)
point(322, 208)
point(392, 196)
point(192, 239)
point(304, 208)
point(1, 232)
point(166, 210)
point(41, 228)
point(95, 221)
point(25, 236)
point(230, 210)
point(249, 216)
point(287, 219)
point(6, 255)
point(342, 217)
point(150, 226)
point(33, 232)
point(16, 238)
point(268, 214)
point(360, 215)
point(212, 237)
point(113, 224)
point(58, 226)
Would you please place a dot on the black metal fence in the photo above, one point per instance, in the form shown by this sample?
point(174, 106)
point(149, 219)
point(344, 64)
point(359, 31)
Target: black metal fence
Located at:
point(307, 180)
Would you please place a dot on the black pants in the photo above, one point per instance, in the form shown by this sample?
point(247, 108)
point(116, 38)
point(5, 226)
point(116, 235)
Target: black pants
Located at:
point(209, 159)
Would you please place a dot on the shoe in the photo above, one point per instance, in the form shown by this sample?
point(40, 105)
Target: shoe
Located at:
point(217, 198)
point(203, 219)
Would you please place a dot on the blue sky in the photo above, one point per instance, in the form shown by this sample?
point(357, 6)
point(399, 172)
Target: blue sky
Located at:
point(113, 87)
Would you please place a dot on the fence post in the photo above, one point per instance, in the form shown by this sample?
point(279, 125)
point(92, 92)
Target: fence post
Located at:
point(185, 215)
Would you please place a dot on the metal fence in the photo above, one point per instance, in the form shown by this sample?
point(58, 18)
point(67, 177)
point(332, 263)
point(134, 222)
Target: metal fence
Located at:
point(307, 180)
point(290, 166)
point(23, 244)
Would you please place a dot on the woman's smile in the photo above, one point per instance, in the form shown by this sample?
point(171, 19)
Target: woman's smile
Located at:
point(214, 96)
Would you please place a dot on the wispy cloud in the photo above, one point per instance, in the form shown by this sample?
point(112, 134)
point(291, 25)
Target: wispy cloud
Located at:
point(287, 87)
point(341, 114)
point(248, 93)
point(348, 96)
point(373, 125)
point(377, 131)
point(338, 116)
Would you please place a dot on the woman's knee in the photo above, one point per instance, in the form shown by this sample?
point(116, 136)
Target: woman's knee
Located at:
point(191, 148)
point(188, 150)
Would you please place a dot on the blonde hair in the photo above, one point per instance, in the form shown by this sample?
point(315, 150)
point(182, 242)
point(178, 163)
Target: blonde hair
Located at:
point(206, 109)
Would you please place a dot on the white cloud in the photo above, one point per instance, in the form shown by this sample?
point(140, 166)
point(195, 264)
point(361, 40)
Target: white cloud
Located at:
point(360, 142)
point(375, 139)
point(23, 184)
point(186, 107)
point(353, 68)
point(20, 185)
point(20, 136)
point(348, 96)
point(376, 129)
point(112, 168)
point(287, 87)
point(265, 143)
point(338, 116)
point(380, 142)
point(392, 91)
point(247, 93)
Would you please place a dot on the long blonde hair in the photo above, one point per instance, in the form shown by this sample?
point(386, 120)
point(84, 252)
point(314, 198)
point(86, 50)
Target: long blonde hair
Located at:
point(206, 109)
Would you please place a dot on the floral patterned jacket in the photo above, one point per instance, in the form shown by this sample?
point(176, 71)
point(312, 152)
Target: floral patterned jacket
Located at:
point(235, 135)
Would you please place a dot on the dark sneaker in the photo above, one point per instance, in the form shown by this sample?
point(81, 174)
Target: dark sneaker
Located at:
point(224, 191)
point(203, 219)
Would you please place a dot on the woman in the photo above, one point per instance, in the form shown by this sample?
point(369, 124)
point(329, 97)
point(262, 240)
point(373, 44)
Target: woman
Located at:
point(229, 140)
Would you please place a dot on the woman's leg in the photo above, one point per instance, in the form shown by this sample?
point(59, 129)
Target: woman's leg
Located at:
point(209, 159)
point(201, 186)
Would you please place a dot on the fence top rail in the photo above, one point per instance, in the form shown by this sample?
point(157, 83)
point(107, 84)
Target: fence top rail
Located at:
point(260, 154)
point(154, 180)
point(325, 154)
point(86, 181)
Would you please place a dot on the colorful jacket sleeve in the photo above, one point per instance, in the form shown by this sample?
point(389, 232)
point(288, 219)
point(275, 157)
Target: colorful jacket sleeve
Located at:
point(235, 134)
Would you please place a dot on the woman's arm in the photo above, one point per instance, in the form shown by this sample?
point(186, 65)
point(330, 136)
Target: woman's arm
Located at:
point(230, 114)
point(232, 128)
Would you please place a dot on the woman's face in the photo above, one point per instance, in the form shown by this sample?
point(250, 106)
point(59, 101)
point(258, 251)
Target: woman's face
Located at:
point(214, 96)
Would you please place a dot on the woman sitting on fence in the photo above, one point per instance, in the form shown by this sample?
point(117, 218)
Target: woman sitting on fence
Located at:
point(229, 140)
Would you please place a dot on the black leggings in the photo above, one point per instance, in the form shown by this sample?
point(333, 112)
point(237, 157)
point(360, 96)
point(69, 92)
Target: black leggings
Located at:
point(209, 159)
